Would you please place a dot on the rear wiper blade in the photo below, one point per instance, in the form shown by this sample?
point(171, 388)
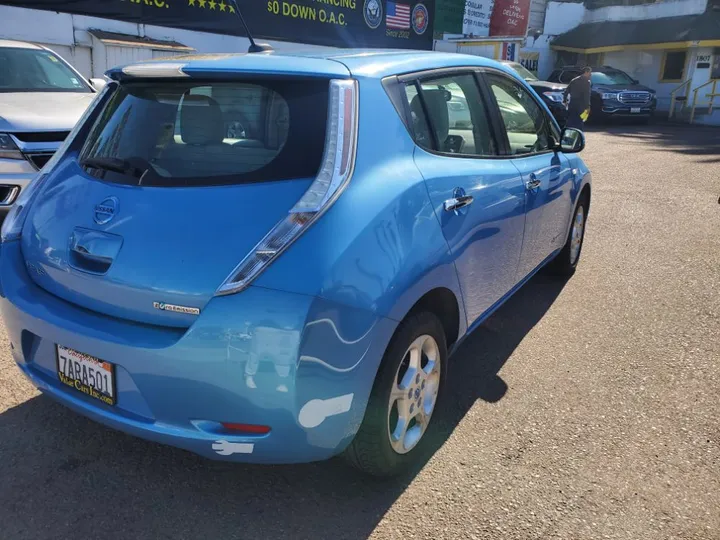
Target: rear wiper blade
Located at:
point(107, 163)
point(119, 165)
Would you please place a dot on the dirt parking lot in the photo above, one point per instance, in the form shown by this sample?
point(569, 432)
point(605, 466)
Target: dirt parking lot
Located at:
point(586, 409)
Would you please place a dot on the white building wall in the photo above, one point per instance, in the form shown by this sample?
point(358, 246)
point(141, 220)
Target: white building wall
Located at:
point(659, 10)
point(537, 15)
point(488, 51)
point(562, 17)
point(541, 45)
point(67, 35)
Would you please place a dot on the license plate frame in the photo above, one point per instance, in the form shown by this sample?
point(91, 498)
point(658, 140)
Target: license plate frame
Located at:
point(82, 365)
point(635, 110)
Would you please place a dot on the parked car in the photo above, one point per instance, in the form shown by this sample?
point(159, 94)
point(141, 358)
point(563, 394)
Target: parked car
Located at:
point(291, 290)
point(41, 99)
point(550, 92)
point(614, 93)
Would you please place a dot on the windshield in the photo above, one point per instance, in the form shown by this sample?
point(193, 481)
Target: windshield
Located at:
point(194, 133)
point(524, 73)
point(37, 70)
point(611, 77)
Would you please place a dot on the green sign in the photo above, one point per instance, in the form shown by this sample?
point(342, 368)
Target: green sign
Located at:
point(449, 17)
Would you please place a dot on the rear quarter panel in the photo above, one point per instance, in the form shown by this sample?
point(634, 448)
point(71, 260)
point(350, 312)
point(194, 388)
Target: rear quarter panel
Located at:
point(379, 247)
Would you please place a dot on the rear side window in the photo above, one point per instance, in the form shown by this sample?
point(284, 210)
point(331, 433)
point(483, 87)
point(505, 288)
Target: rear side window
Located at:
point(568, 76)
point(192, 133)
point(554, 76)
point(449, 115)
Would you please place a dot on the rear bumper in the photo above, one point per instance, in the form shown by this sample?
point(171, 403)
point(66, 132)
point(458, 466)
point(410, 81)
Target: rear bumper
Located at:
point(259, 357)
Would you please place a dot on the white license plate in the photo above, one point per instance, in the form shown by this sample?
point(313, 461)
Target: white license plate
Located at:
point(635, 110)
point(87, 374)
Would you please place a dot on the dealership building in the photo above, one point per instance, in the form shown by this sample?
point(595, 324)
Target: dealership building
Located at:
point(672, 46)
point(95, 36)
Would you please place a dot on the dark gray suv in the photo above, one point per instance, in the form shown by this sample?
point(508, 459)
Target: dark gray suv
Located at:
point(614, 93)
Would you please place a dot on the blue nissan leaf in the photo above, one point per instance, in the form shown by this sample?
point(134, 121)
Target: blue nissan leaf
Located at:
point(270, 258)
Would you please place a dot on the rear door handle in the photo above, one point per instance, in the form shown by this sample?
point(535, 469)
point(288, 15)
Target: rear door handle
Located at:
point(533, 183)
point(456, 203)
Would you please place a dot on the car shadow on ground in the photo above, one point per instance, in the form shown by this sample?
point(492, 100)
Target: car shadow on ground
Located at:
point(65, 476)
point(664, 136)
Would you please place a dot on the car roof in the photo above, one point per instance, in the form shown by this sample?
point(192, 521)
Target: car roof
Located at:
point(12, 44)
point(374, 63)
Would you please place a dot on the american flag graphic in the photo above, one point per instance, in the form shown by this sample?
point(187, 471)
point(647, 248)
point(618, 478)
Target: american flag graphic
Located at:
point(398, 15)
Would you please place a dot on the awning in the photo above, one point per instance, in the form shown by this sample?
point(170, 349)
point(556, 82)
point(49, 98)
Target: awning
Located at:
point(667, 33)
point(128, 40)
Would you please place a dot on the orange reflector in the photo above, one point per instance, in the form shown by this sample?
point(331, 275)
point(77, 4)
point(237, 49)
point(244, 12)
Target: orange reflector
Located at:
point(246, 428)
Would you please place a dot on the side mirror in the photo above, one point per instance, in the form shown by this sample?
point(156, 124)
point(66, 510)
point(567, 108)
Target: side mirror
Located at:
point(98, 84)
point(635, 81)
point(572, 141)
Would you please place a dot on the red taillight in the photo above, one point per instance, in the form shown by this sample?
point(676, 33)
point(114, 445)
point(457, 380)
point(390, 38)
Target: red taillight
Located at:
point(250, 429)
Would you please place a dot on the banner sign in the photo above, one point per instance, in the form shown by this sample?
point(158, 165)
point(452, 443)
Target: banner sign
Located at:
point(405, 24)
point(476, 21)
point(510, 18)
point(530, 60)
point(509, 50)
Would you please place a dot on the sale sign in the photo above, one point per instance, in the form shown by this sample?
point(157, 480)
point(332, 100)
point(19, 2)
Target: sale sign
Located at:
point(510, 18)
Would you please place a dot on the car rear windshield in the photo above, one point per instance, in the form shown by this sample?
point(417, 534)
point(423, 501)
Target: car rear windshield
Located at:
point(200, 133)
point(36, 70)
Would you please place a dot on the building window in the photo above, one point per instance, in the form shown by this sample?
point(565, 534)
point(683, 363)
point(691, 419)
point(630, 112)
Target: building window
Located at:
point(715, 70)
point(672, 68)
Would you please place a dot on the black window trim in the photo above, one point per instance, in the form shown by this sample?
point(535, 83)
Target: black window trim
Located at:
point(395, 87)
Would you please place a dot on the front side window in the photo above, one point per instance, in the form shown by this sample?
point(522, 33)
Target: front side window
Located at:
point(449, 116)
point(36, 70)
point(526, 124)
point(193, 133)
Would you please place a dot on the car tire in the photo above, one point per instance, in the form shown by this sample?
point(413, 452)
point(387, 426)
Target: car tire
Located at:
point(378, 449)
point(567, 260)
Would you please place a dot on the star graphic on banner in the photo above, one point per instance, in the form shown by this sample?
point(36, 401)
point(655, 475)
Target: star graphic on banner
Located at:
point(191, 2)
point(212, 4)
point(223, 6)
point(202, 3)
point(231, 8)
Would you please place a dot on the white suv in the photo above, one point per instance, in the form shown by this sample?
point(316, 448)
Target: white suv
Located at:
point(41, 99)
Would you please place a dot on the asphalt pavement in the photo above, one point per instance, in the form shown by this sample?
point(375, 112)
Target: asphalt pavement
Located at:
point(582, 409)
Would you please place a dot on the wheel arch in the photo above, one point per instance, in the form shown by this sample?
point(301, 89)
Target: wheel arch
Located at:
point(442, 303)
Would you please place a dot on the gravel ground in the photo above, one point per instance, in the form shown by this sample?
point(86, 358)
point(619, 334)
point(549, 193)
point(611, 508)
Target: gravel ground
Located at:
point(586, 409)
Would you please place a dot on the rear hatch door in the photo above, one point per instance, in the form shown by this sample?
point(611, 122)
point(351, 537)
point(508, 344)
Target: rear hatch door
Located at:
point(176, 183)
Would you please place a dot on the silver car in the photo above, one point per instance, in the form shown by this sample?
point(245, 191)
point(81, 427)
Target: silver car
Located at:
point(41, 99)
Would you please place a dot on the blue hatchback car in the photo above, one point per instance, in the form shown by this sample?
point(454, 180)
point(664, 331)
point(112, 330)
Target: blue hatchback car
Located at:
point(270, 257)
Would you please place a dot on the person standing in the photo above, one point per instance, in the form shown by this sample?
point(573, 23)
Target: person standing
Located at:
point(578, 92)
